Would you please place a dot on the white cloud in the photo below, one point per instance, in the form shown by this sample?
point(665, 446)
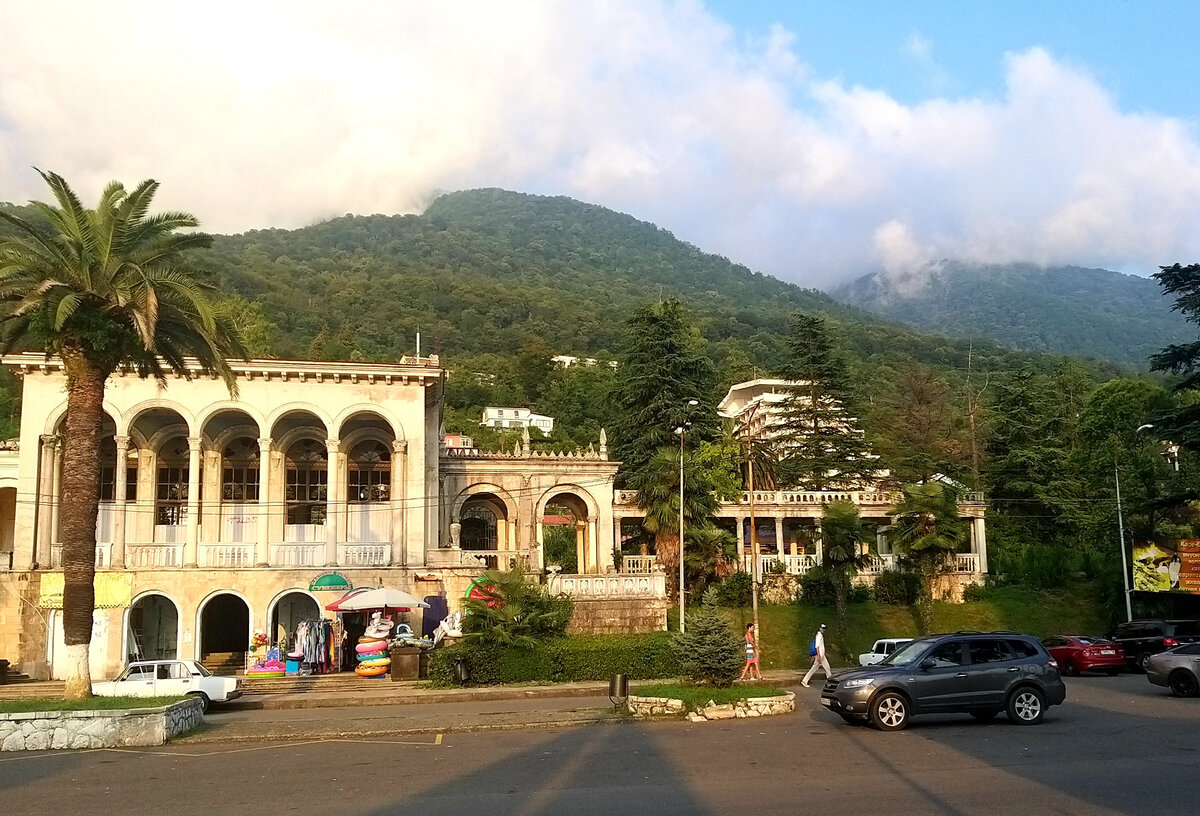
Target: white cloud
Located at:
point(279, 113)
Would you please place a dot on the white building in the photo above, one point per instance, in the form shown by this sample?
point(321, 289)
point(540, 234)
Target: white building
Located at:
point(516, 418)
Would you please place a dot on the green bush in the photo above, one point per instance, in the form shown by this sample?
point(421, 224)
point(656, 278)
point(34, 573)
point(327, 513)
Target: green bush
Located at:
point(975, 593)
point(709, 652)
point(569, 659)
point(816, 589)
point(514, 612)
point(861, 593)
point(734, 591)
point(897, 588)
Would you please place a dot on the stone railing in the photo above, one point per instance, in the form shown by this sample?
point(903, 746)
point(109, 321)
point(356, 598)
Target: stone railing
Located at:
point(364, 555)
point(227, 556)
point(966, 562)
point(297, 555)
point(610, 586)
point(638, 564)
point(150, 556)
point(103, 555)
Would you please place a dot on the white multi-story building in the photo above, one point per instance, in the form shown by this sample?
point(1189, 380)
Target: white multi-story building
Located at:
point(516, 418)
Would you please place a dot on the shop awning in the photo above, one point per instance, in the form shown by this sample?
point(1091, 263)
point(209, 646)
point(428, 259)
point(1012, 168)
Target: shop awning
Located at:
point(381, 598)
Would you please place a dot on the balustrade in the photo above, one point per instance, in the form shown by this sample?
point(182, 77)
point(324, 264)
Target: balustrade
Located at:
point(364, 555)
point(297, 555)
point(103, 555)
point(227, 556)
point(150, 556)
point(638, 564)
point(610, 585)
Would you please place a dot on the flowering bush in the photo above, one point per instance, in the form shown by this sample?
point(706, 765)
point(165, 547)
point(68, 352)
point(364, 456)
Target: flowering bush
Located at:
point(259, 640)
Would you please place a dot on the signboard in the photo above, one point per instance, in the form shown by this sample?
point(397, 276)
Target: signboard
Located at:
point(114, 590)
point(330, 582)
point(1162, 568)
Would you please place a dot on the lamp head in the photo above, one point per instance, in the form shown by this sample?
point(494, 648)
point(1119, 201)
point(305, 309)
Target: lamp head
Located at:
point(1141, 428)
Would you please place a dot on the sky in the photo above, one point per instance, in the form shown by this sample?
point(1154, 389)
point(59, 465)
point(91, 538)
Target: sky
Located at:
point(812, 141)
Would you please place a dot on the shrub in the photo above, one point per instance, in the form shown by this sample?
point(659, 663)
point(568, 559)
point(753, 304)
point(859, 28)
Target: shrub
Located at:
point(734, 591)
point(515, 612)
point(975, 592)
point(897, 588)
point(816, 589)
point(709, 652)
point(576, 658)
point(860, 593)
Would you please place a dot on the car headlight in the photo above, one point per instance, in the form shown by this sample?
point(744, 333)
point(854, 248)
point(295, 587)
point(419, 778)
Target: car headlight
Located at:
point(858, 682)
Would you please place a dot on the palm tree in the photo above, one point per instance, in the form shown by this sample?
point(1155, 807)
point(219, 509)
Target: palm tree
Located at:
point(103, 289)
point(926, 530)
point(846, 540)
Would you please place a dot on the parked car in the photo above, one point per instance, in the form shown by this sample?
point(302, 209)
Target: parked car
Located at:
point(1177, 669)
point(974, 673)
point(882, 648)
point(1076, 653)
point(1142, 638)
point(170, 678)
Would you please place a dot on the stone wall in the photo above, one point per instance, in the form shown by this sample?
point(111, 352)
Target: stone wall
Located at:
point(54, 730)
point(619, 616)
point(642, 707)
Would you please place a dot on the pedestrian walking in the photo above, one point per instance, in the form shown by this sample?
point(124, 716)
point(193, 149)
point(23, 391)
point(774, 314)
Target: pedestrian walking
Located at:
point(817, 651)
point(751, 656)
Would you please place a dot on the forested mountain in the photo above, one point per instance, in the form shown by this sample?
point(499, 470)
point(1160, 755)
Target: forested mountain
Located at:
point(1065, 310)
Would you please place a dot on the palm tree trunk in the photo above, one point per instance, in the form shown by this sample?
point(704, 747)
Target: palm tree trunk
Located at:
point(80, 502)
point(841, 602)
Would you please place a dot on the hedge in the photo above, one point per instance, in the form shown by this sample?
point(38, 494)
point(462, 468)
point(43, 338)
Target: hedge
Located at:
point(569, 659)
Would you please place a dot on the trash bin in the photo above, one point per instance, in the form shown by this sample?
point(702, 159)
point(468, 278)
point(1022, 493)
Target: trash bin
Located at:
point(462, 670)
point(406, 663)
point(618, 689)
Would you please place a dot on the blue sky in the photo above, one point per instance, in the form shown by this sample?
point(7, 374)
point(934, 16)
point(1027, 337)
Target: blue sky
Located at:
point(812, 141)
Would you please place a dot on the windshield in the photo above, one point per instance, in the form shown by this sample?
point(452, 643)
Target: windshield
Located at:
point(200, 668)
point(906, 653)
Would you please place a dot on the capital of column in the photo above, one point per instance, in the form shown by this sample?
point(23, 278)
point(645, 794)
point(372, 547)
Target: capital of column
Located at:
point(264, 445)
point(49, 439)
point(122, 443)
point(193, 444)
point(332, 445)
point(400, 446)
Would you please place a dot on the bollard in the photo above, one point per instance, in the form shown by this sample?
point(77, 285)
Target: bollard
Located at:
point(462, 671)
point(618, 689)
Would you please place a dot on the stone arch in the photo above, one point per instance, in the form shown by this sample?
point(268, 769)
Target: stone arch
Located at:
point(483, 488)
point(282, 411)
point(144, 639)
point(274, 617)
point(231, 406)
point(56, 417)
point(146, 406)
point(224, 635)
point(590, 506)
point(378, 411)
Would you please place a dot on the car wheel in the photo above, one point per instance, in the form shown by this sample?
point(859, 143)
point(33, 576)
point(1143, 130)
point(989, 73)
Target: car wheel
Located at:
point(889, 711)
point(203, 698)
point(1070, 669)
point(1143, 661)
point(985, 716)
point(1183, 683)
point(1026, 706)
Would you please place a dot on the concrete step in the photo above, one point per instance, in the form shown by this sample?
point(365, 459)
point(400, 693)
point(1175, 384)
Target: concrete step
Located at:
point(342, 681)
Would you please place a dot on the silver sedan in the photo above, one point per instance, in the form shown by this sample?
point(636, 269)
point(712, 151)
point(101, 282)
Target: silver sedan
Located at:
point(1178, 670)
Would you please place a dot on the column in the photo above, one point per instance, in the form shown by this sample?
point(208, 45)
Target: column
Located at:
point(262, 521)
point(119, 497)
point(45, 493)
point(741, 542)
point(396, 494)
point(979, 542)
point(593, 543)
point(333, 502)
point(55, 492)
point(616, 535)
point(820, 541)
point(779, 538)
point(190, 547)
point(581, 553)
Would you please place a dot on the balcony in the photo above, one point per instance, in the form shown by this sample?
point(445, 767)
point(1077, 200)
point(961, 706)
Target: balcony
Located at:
point(594, 587)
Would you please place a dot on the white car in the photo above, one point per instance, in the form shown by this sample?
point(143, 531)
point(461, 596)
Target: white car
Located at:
point(170, 678)
point(882, 648)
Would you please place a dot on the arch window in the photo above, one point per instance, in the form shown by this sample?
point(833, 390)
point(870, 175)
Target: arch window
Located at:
point(239, 471)
point(171, 484)
point(307, 483)
point(479, 528)
point(370, 473)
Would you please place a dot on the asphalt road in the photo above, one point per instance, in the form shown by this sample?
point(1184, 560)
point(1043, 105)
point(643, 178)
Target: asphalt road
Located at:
point(1119, 746)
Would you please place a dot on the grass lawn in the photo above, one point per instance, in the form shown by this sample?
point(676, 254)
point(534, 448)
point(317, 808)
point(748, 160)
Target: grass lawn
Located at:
point(94, 704)
point(788, 629)
point(698, 696)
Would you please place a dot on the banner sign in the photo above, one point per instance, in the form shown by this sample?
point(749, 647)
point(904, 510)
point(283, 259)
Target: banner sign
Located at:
point(114, 590)
point(330, 582)
point(1161, 568)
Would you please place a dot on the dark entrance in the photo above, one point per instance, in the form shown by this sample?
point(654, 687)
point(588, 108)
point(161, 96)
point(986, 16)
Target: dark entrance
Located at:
point(224, 633)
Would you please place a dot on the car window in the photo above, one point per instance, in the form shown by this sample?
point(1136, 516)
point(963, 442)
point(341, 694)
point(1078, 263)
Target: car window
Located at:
point(1022, 648)
point(948, 654)
point(1187, 628)
point(1053, 641)
point(878, 648)
point(889, 647)
point(907, 653)
point(199, 668)
point(989, 651)
point(1188, 649)
point(136, 673)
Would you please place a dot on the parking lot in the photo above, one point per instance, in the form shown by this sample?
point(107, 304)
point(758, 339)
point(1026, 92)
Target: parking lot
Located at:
point(1119, 745)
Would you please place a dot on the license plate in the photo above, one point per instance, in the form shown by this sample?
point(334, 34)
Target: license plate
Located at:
point(1108, 651)
point(825, 701)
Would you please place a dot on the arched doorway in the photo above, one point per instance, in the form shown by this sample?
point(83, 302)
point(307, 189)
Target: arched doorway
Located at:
point(152, 629)
point(224, 633)
point(479, 530)
point(287, 612)
point(567, 522)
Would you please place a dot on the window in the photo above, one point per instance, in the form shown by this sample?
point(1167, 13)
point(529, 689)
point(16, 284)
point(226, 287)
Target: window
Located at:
point(108, 487)
point(947, 655)
point(171, 484)
point(239, 471)
point(1022, 648)
point(370, 473)
point(307, 482)
point(1189, 649)
point(989, 651)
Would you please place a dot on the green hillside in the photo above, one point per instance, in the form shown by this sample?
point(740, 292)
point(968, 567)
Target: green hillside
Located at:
point(1064, 310)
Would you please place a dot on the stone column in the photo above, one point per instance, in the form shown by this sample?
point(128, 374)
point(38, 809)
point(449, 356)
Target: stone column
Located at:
point(741, 541)
point(396, 494)
point(45, 499)
point(779, 537)
point(593, 543)
point(820, 541)
point(334, 505)
point(55, 492)
point(581, 553)
point(190, 547)
point(119, 497)
point(979, 542)
point(617, 534)
point(262, 521)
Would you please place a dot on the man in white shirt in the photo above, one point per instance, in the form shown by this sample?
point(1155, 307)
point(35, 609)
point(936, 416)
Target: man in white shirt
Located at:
point(818, 658)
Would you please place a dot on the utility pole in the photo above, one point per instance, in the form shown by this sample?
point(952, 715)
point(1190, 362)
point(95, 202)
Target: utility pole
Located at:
point(754, 577)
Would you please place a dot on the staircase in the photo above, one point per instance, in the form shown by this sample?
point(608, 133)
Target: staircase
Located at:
point(225, 663)
point(343, 681)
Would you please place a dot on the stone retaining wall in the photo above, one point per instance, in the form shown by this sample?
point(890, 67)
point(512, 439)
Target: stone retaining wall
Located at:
point(43, 730)
point(642, 707)
point(618, 616)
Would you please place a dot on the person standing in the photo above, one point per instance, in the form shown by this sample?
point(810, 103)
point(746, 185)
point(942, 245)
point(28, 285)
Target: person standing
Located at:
point(751, 656)
point(817, 650)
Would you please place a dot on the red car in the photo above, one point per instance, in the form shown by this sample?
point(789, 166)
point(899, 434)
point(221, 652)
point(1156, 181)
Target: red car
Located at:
point(1076, 654)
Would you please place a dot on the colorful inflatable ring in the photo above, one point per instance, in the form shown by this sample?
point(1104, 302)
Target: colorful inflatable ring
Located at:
point(368, 648)
point(266, 673)
point(375, 656)
point(376, 661)
point(371, 671)
point(368, 639)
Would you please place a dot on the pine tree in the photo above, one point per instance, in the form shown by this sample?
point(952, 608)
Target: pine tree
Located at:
point(709, 652)
point(821, 445)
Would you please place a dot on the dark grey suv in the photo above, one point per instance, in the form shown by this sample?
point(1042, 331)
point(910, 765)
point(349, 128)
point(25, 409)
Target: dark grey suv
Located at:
point(976, 673)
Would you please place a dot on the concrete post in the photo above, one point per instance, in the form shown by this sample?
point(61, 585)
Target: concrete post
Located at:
point(119, 497)
point(262, 523)
point(334, 508)
point(45, 495)
point(191, 543)
point(396, 494)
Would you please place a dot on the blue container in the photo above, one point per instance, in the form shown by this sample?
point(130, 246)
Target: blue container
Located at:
point(291, 667)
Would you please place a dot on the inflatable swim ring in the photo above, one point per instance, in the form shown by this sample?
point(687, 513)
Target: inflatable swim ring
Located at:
point(374, 656)
point(367, 639)
point(375, 660)
point(370, 671)
point(266, 673)
point(368, 648)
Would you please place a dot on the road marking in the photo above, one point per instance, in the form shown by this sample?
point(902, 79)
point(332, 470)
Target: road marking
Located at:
point(437, 741)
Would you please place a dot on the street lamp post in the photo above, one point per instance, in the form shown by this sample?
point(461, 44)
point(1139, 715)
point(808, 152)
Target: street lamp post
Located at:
point(1121, 533)
point(681, 430)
